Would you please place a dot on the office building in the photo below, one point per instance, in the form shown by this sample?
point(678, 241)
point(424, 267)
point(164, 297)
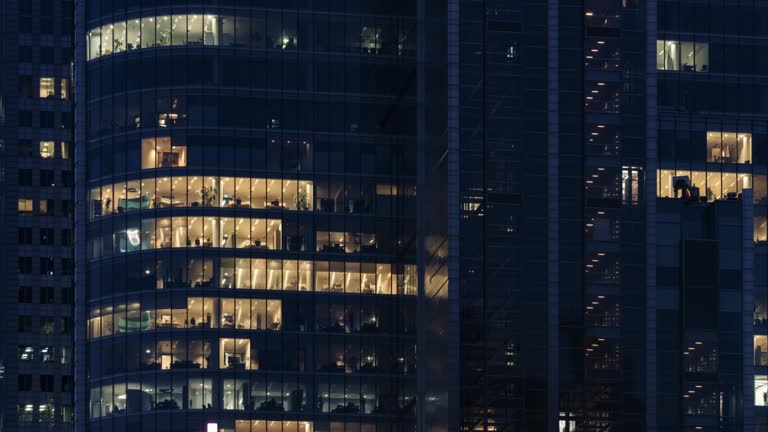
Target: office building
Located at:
point(36, 208)
point(612, 180)
point(248, 216)
point(395, 216)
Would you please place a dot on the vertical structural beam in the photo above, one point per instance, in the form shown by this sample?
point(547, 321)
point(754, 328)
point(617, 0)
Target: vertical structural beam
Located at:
point(748, 304)
point(421, 188)
point(553, 215)
point(81, 372)
point(454, 206)
point(651, 152)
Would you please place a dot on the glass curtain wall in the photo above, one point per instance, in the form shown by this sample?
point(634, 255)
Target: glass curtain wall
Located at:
point(251, 216)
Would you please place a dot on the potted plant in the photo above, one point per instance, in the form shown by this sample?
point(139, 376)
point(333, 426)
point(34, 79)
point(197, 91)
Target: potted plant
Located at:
point(207, 196)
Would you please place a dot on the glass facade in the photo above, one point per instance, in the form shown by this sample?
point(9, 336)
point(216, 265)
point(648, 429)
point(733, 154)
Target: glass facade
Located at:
point(251, 216)
point(711, 155)
point(586, 250)
point(36, 216)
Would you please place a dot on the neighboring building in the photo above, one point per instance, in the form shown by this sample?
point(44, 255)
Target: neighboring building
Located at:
point(36, 209)
point(711, 257)
point(586, 250)
point(248, 238)
point(590, 298)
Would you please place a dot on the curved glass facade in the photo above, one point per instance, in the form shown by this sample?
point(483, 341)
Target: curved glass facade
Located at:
point(251, 216)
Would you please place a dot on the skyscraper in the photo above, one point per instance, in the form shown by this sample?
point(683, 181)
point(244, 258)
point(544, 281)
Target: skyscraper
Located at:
point(248, 256)
point(316, 215)
point(611, 235)
point(36, 196)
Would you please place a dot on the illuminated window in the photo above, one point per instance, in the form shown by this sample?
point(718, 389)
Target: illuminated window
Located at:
point(46, 412)
point(630, 185)
point(94, 44)
point(761, 350)
point(235, 354)
point(119, 36)
point(702, 185)
point(761, 231)
point(26, 412)
point(133, 36)
point(148, 32)
point(686, 56)
point(26, 353)
point(161, 153)
point(270, 426)
point(46, 87)
point(64, 88)
point(761, 390)
point(46, 207)
point(163, 31)
point(729, 147)
point(47, 149)
point(25, 206)
point(65, 151)
point(200, 393)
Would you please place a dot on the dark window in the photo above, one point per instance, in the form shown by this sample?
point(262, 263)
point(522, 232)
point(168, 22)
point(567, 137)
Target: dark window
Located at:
point(47, 179)
point(25, 118)
point(25, 177)
point(47, 325)
point(701, 283)
point(46, 295)
point(25, 265)
point(25, 8)
point(25, 294)
point(46, 7)
point(26, 148)
point(66, 120)
point(47, 119)
point(66, 325)
point(25, 53)
point(25, 323)
point(46, 383)
point(46, 236)
point(66, 208)
point(66, 296)
point(46, 25)
point(46, 55)
point(25, 235)
point(66, 55)
point(46, 266)
point(25, 86)
point(25, 383)
point(67, 384)
point(66, 237)
point(67, 179)
point(67, 266)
